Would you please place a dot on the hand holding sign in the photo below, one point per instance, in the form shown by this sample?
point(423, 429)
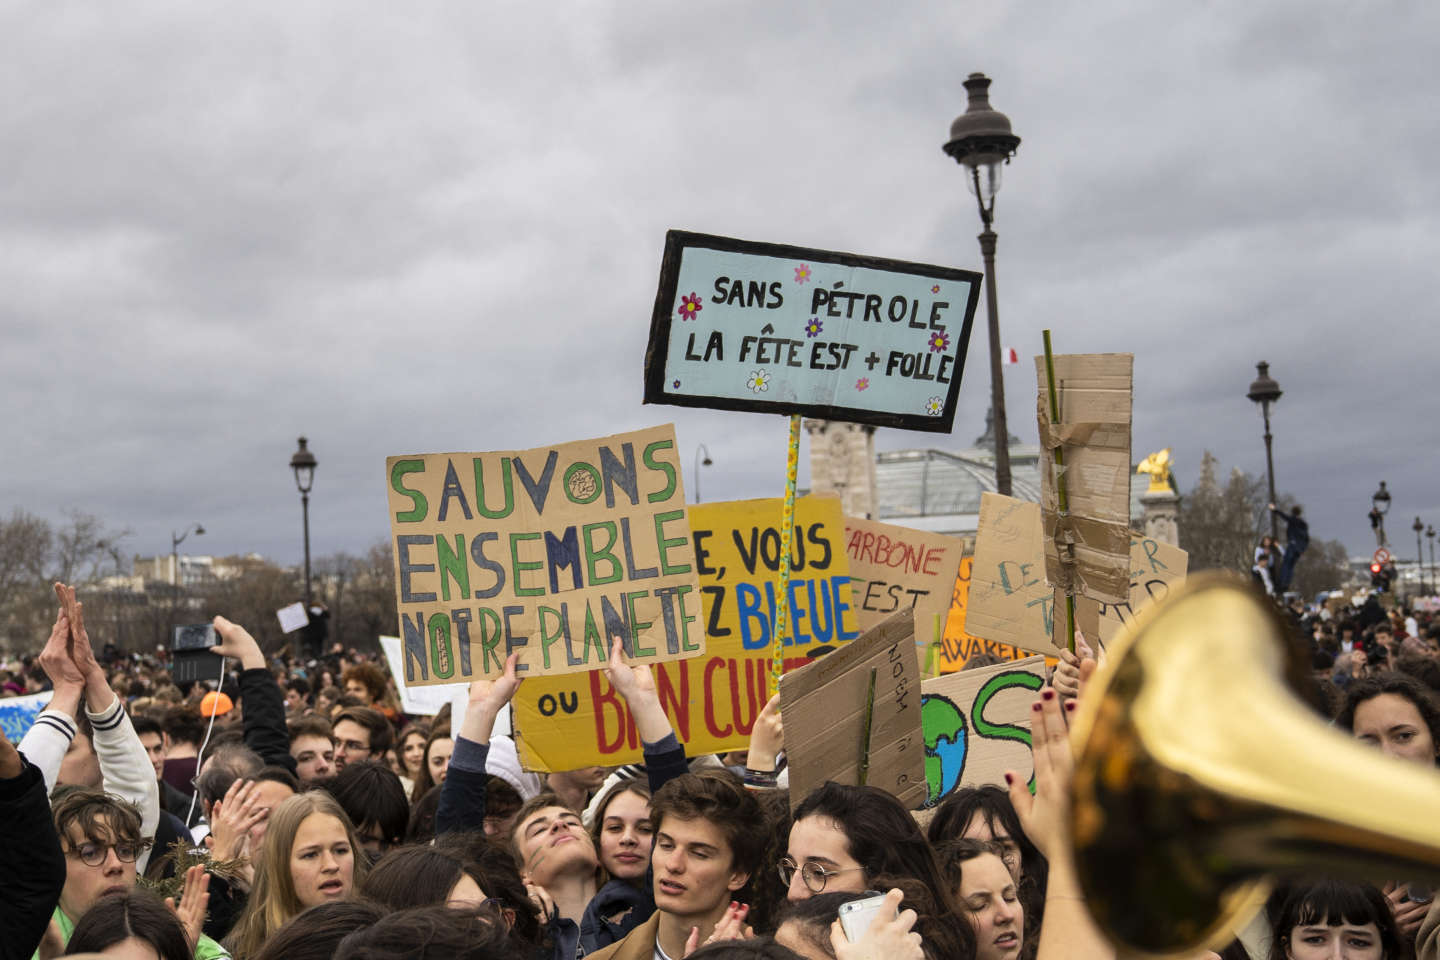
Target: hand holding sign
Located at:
point(637, 685)
point(487, 697)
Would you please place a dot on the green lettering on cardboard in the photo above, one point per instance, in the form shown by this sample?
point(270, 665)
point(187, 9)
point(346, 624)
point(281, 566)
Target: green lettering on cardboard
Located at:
point(419, 506)
point(636, 626)
point(442, 653)
point(666, 568)
point(506, 479)
point(671, 480)
point(452, 564)
point(518, 566)
point(594, 555)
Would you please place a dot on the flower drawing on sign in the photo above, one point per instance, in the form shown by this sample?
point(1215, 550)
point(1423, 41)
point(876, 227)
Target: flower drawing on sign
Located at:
point(675, 385)
point(939, 341)
point(759, 381)
point(690, 306)
point(802, 273)
point(813, 326)
point(862, 384)
point(935, 289)
point(935, 406)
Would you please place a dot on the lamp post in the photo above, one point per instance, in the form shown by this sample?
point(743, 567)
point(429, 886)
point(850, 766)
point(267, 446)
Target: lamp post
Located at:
point(981, 140)
point(303, 463)
point(1265, 391)
point(175, 541)
point(1419, 527)
point(1379, 506)
point(1430, 535)
point(698, 464)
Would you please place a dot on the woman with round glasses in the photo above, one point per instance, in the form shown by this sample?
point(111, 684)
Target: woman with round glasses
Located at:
point(848, 838)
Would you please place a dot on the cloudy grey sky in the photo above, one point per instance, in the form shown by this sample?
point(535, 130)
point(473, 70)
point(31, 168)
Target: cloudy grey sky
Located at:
point(405, 228)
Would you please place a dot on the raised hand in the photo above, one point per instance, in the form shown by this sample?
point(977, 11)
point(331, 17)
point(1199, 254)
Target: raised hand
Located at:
point(1067, 674)
point(767, 739)
point(194, 900)
point(78, 648)
point(55, 657)
point(631, 682)
point(1408, 915)
point(486, 699)
point(235, 641)
point(1045, 816)
point(637, 685)
point(231, 818)
point(889, 935)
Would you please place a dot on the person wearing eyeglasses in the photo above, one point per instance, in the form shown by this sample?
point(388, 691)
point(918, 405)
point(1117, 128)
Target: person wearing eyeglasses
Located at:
point(100, 836)
point(850, 839)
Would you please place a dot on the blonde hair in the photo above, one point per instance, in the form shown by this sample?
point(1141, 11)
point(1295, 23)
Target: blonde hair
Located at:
point(273, 902)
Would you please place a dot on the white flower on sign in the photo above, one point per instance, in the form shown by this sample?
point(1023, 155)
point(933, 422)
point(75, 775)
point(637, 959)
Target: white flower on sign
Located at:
point(759, 381)
point(935, 406)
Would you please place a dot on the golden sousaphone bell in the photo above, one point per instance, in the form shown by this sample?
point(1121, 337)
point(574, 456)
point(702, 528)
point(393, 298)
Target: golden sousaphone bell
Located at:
point(1200, 774)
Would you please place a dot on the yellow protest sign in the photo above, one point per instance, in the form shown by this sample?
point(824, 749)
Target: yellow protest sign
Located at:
point(563, 723)
point(545, 552)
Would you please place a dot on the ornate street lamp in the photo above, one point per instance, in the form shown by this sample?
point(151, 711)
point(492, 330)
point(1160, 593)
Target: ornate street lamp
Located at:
point(1419, 527)
point(1265, 391)
point(1379, 506)
point(303, 463)
point(981, 140)
point(1430, 535)
point(175, 541)
point(698, 464)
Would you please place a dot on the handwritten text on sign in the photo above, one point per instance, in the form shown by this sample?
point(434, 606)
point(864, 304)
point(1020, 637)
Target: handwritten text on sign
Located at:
point(895, 568)
point(753, 326)
point(545, 552)
point(712, 700)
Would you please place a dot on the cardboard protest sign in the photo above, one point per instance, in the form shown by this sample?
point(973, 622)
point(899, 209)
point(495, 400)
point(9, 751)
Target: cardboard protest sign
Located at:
point(1155, 568)
point(417, 701)
point(824, 705)
point(1094, 392)
point(544, 552)
point(712, 700)
point(958, 645)
point(894, 568)
point(977, 725)
point(17, 714)
point(1009, 600)
point(779, 329)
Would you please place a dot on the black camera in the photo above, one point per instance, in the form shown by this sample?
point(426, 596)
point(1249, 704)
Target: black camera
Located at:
point(191, 658)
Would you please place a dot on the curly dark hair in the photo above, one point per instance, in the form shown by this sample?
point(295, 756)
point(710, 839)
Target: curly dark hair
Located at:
point(1398, 684)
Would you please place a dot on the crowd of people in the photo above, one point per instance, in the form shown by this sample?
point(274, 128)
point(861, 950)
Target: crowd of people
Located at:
point(287, 810)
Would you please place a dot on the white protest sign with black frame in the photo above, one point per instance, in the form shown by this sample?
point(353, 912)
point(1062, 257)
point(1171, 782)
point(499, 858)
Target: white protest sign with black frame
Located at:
point(765, 327)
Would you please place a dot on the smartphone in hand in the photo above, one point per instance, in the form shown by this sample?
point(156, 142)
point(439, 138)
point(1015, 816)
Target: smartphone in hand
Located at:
point(857, 915)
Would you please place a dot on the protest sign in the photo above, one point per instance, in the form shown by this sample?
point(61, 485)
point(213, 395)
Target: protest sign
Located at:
point(1093, 392)
point(292, 617)
point(779, 329)
point(825, 705)
point(1009, 601)
point(894, 568)
point(1155, 568)
point(977, 725)
point(17, 714)
point(544, 552)
point(958, 645)
point(713, 700)
point(417, 701)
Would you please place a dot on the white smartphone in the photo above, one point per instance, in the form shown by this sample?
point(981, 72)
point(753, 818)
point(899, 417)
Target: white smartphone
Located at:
point(856, 916)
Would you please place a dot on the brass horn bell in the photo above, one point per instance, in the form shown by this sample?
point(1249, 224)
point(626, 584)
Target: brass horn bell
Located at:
point(1199, 775)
